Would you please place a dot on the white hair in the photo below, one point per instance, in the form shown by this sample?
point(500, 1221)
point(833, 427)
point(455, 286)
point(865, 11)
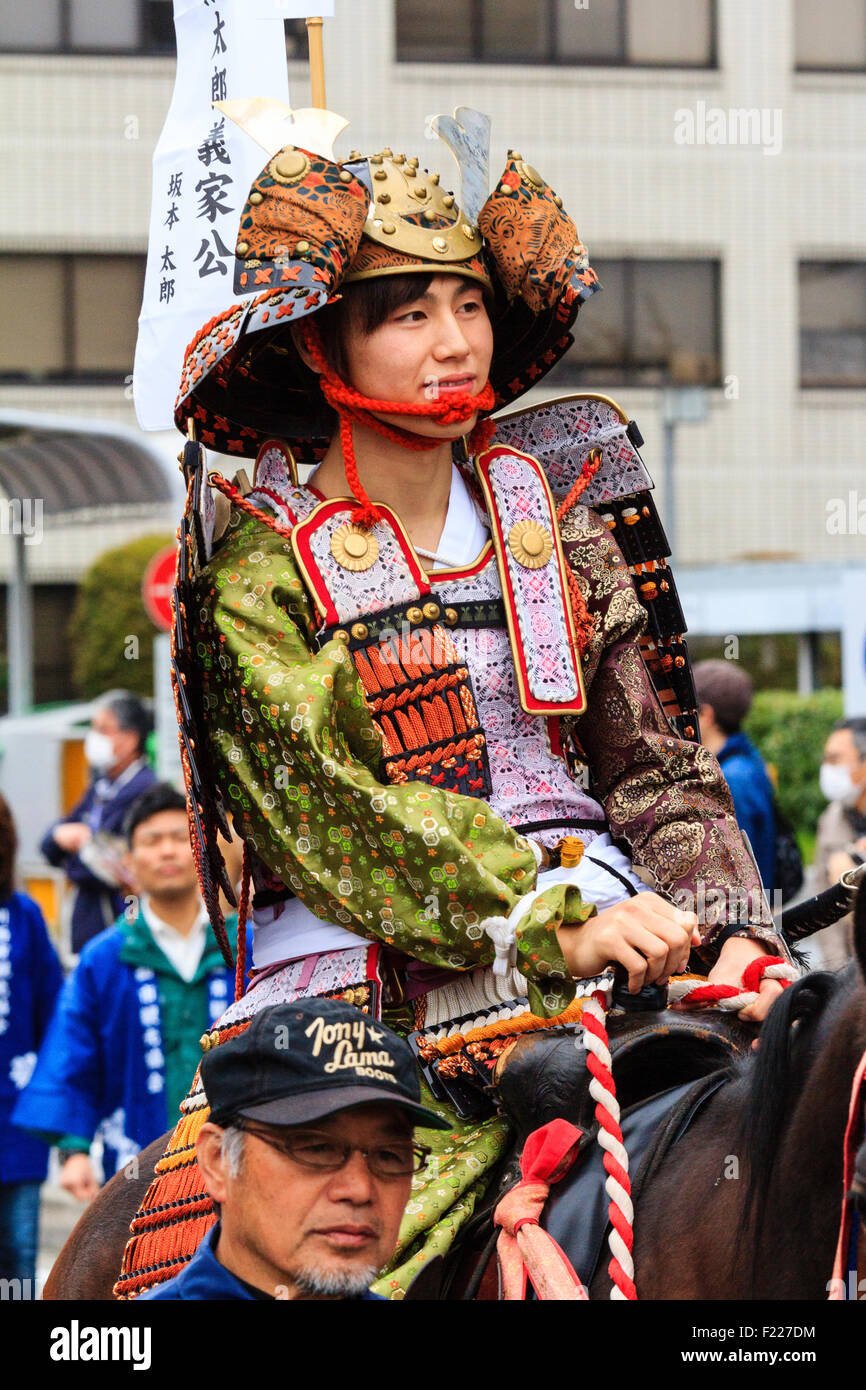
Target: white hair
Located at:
point(232, 1149)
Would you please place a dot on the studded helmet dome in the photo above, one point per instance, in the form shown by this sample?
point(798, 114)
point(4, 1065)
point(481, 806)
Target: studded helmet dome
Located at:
point(312, 223)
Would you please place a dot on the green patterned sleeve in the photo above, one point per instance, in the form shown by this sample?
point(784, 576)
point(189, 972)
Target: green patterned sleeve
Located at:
point(297, 756)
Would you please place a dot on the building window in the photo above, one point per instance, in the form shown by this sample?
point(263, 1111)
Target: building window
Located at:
point(655, 323)
point(76, 316)
point(833, 323)
point(103, 26)
point(615, 33)
point(832, 39)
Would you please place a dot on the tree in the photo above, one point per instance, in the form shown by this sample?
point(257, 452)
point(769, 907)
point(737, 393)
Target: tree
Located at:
point(112, 635)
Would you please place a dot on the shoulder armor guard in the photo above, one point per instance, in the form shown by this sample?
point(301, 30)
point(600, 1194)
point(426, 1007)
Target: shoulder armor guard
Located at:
point(560, 434)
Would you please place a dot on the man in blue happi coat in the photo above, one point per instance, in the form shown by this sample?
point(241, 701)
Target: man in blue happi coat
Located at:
point(124, 1039)
point(30, 977)
point(115, 750)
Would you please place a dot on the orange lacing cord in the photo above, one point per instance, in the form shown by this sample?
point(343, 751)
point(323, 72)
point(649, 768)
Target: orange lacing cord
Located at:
point(584, 478)
point(355, 408)
point(385, 703)
point(511, 1027)
point(234, 495)
point(583, 623)
point(424, 761)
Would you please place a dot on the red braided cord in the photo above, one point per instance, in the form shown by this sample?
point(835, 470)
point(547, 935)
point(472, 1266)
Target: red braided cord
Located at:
point(584, 478)
point(353, 407)
point(606, 1121)
point(754, 971)
point(243, 911)
point(751, 981)
point(583, 623)
point(234, 495)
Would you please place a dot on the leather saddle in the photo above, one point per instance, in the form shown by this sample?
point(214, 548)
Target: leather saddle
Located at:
point(544, 1075)
point(666, 1066)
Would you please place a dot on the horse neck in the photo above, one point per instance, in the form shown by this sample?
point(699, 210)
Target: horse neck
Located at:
point(821, 1112)
point(807, 1174)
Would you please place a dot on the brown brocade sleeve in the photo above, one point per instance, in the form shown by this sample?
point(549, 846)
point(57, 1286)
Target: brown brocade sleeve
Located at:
point(665, 797)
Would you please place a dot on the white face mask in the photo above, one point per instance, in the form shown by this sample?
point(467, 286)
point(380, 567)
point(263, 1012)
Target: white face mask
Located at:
point(837, 784)
point(98, 750)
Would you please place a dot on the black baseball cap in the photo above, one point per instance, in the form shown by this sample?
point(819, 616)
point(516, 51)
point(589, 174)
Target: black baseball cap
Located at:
point(302, 1061)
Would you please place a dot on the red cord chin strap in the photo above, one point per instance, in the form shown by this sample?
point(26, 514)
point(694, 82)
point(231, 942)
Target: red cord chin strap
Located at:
point(354, 408)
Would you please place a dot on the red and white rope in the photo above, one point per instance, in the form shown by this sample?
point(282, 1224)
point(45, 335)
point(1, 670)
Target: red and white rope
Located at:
point(730, 997)
point(602, 1088)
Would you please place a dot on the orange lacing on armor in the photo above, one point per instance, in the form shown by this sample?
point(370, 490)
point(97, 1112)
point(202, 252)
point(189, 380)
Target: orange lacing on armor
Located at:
point(583, 623)
point(392, 740)
point(205, 330)
point(224, 316)
point(354, 408)
point(422, 763)
point(376, 674)
point(410, 726)
point(234, 495)
point(413, 703)
point(447, 681)
point(510, 1027)
point(176, 1213)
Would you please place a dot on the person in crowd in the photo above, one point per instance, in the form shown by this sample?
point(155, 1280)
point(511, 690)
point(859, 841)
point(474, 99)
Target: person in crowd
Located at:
point(30, 977)
point(115, 750)
point(308, 1153)
point(841, 839)
point(724, 697)
point(125, 1036)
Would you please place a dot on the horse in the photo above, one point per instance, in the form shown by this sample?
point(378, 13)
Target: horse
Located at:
point(745, 1205)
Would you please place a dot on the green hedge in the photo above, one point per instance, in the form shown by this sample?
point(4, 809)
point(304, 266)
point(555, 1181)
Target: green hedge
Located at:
point(790, 730)
point(112, 635)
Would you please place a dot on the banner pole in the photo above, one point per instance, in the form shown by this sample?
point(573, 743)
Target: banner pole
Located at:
point(317, 61)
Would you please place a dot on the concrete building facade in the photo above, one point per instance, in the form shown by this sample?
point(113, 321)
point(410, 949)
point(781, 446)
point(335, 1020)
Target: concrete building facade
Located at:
point(634, 151)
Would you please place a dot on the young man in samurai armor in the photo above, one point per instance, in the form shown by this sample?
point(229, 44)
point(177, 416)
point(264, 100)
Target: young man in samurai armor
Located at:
point(416, 679)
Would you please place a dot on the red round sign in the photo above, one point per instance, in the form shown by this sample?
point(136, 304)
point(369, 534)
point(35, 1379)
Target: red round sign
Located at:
point(157, 586)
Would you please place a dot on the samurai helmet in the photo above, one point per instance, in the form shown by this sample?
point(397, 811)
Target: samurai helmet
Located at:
point(312, 224)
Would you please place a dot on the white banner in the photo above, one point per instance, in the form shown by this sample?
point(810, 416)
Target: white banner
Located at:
point(203, 167)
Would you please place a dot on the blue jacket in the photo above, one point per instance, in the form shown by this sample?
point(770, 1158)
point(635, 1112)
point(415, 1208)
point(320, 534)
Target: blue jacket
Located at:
point(205, 1278)
point(752, 791)
point(102, 808)
point(101, 1067)
point(30, 978)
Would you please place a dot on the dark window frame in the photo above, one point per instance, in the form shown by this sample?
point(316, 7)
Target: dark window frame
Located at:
point(552, 58)
point(574, 372)
point(854, 69)
point(147, 47)
point(68, 374)
point(828, 384)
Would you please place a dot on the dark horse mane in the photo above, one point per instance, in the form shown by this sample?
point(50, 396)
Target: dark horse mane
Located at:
point(792, 1037)
point(775, 1075)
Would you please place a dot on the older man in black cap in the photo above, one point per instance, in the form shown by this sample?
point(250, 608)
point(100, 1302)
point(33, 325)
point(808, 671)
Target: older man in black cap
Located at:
point(308, 1153)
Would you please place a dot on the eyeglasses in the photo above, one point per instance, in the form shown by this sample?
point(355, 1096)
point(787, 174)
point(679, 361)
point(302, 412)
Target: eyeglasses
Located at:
point(315, 1149)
